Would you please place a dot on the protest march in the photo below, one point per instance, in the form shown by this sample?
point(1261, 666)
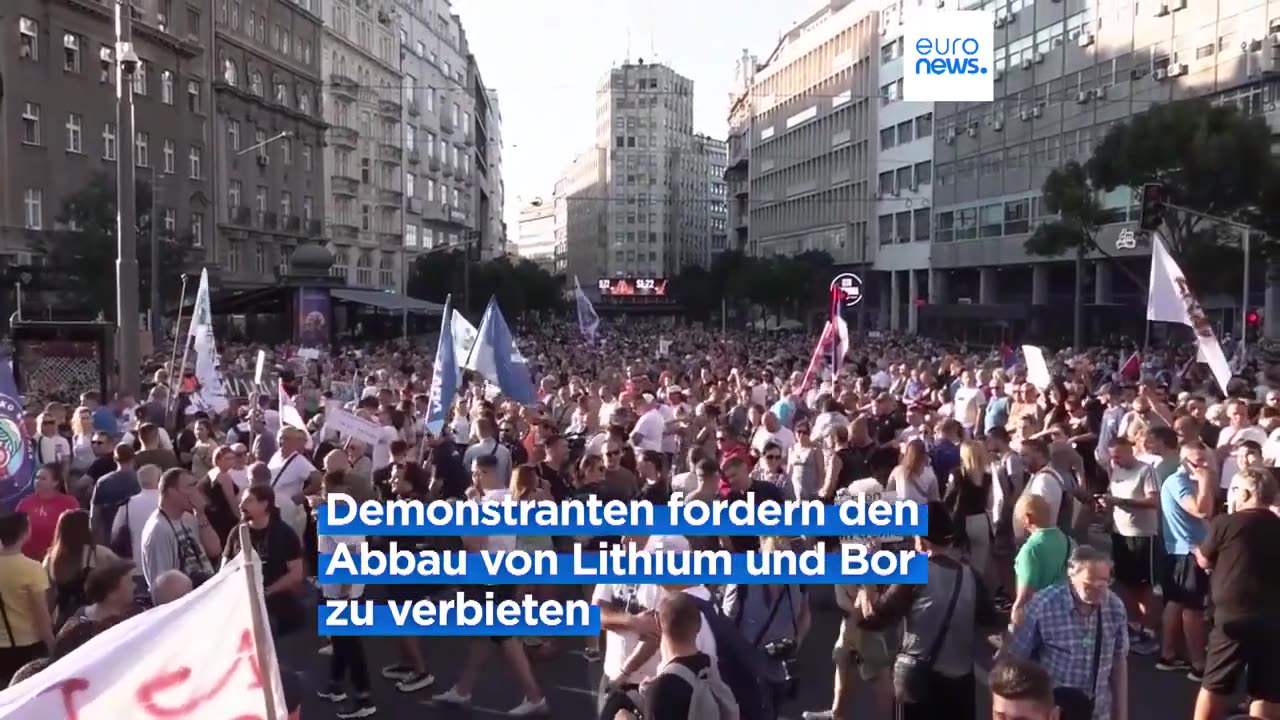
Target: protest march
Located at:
point(288, 531)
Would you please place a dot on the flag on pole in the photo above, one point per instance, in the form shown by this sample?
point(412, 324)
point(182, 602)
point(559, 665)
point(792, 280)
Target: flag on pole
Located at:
point(1131, 368)
point(815, 360)
point(1008, 357)
point(464, 336)
point(588, 321)
point(495, 357)
point(289, 414)
point(445, 372)
point(1171, 300)
point(837, 357)
point(17, 455)
point(210, 393)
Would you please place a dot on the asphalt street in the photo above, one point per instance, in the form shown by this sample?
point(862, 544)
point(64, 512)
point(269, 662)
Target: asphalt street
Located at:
point(570, 681)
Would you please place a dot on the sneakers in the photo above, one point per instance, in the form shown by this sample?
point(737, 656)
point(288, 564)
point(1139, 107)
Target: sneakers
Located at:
point(1172, 665)
point(332, 693)
point(452, 697)
point(415, 682)
point(326, 649)
point(529, 709)
point(818, 715)
point(1195, 676)
point(361, 707)
point(1142, 643)
point(397, 672)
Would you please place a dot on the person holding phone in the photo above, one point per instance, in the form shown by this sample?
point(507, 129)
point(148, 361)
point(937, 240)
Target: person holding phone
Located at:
point(1187, 501)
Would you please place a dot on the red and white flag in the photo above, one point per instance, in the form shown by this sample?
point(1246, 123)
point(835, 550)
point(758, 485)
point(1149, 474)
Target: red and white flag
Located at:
point(289, 414)
point(829, 332)
point(1131, 369)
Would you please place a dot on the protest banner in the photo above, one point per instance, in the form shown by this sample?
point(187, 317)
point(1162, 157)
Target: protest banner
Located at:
point(353, 426)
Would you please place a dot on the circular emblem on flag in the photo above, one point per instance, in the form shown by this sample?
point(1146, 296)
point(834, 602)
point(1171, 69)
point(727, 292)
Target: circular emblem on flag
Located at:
point(850, 288)
point(15, 454)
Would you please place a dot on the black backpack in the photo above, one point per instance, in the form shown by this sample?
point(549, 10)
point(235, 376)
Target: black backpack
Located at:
point(743, 667)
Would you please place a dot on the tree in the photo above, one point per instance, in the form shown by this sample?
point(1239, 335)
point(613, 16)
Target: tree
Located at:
point(83, 249)
point(519, 286)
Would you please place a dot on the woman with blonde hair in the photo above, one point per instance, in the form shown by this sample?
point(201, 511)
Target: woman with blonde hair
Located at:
point(968, 497)
point(82, 439)
point(913, 478)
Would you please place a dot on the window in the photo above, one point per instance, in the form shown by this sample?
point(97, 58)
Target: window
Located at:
point(306, 158)
point(197, 229)
point(902, 178)
point(904, 132)
point(886, 229)
point(31, 123)
point(410, 184)
point(28, 44)
point(170, 220)
point(967, 224)
point(304, 102)
point(70, 53)
point(233, 256)
point(946, 224)
point(365, 214)
point(431, 190)
point(106, 65)
point(887, 136)
point(282, 93)
point(75, 133)
point(411, 236)
point(260, 259)
point(991, 221)
point(233, 134)
point(924, 125)
point(308, 207)
point(235, 195)
point(33, 209)
point(260, 199)
point(260, 142)
point(255, 83)
point(365, 174)
point(169, 154)
point(193, 161)
point(1017, 217)
point(230, 72)
point(166, 87)
point(286, 151)
point(140, 79)
point(924, 173)
point(141, 148)
point(193, 96)
point(109, 141)
point(286, 203)
point(920, 221)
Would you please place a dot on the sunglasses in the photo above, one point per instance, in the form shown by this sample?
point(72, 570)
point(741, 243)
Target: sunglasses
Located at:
point(613, 453)
point(772, 457)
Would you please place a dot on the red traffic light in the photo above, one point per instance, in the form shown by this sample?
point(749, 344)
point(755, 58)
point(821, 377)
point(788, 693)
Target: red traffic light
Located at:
point(1253, 317)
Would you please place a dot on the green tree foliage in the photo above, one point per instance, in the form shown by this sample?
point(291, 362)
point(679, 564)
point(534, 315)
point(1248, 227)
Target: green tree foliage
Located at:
point(85, 257)
point(519, 284)
point(1070, 197)
point(779, 284)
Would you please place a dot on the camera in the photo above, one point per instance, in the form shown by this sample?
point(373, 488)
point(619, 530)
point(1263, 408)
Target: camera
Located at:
point(784, 652)
point(129, 60)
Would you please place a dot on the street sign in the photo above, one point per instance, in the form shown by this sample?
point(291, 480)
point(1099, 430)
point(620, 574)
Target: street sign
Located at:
point(850, 287)
point(1127, 240)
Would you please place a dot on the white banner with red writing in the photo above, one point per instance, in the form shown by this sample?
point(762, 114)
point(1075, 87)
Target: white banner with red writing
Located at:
point(195, 658)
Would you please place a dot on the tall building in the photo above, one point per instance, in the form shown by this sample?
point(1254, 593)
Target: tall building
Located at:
point(485, 188)
point(715, 154)
point(1064, 74)
point(581, 218)
point(57, 80)
point(444, 132)
point(537, 239)
point(366, 183)
point(904, 180)
point(802, 126)
point(268, 187)
point(648, 177)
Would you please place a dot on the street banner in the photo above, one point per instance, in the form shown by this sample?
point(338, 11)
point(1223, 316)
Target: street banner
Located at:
point(1171, 300)
point(167, 662)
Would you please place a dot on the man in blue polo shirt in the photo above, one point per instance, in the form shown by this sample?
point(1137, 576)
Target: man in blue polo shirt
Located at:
point(1187, 500)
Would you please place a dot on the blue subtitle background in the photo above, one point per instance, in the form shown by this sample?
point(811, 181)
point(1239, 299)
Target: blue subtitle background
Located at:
point(384, 625)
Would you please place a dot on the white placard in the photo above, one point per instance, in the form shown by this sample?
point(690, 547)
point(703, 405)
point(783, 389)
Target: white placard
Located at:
point(350, 425)
point(258, 369)
point(1037, 368)
point(309, 353)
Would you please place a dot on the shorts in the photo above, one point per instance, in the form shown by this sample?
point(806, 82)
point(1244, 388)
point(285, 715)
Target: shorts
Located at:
point(501, 593)
point(1135, 560)
point(1183, 582)
point(1239, 648)
point(871, 652)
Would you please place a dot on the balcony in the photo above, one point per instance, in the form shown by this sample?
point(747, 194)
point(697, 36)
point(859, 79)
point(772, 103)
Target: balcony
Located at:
point(315, 228)
point(412, 108)
point(388, 106)
point(414, 157)
point(343, 230)
point(344, 87)
point(390, 240)
point(239, 215)
point(347, 186)
point(393, 198)
point(433, 162)
point(453, 214)
point(446, 170)
point(267, 220)
point(415, 205)
point(291, 223)
point(446, 124)
point(389, 153)
point(343, 136)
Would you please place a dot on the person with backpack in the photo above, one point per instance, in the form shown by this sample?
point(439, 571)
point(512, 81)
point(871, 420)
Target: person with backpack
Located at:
point(688, 685)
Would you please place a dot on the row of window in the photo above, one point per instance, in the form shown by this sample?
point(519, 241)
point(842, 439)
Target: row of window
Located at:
point(261, 202)
point(426, 237)
point(74, 142)
point(33, 210)
point(281, 92)
point(264, 142)
point(919, 128)
point(255, 26)
point(908, 178)
point(987, 221)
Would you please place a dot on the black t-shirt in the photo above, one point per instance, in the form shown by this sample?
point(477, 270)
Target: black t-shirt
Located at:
point(1244, 548)
point(221, 515)
point(554, 479)
point(277, 545)
point(184, 443)
point(1209, 433)
point(447, 461)
point(670, 696)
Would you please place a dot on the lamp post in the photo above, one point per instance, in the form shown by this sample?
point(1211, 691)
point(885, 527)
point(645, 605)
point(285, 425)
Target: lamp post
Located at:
point(126, 208)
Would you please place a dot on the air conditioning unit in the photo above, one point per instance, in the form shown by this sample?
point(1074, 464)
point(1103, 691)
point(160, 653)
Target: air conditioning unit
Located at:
point(884, 29)
point(1085, 39)
point(1251, 46)
point(1024, 115)
point(1099, 93)
point(23, 259)
point(1082, 97)
point(1176, 69)
point(1001, 21)
point(998, 125)
point(950, 137)
point(972, 132)
point(1158, 75)
point(1011, 17)
point(1039, 58)
point(264, 160)
point(1026, 64)
point(1162, 9)
point(1037, 111)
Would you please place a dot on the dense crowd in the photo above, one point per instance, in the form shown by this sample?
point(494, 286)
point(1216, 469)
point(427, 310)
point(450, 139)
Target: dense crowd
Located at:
point(1106, 515)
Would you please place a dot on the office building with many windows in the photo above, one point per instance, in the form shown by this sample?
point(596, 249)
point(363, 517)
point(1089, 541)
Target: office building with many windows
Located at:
point(58, 80)
point(715, 156)
point(366, 181)
point(537, 233)
point(581, 219)
point(268, 137)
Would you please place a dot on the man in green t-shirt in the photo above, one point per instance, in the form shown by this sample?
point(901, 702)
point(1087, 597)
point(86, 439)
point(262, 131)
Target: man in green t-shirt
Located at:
point(1042, 559)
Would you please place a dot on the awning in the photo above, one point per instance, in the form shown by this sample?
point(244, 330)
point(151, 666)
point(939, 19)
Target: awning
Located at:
point(387, 301)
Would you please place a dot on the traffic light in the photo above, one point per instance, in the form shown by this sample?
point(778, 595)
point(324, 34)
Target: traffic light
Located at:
point(1154, 198)
point(1253, 318)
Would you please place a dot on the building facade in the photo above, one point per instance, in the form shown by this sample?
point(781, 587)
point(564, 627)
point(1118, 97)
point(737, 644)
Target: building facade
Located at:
point(440, 130)
point(1064, 74)
point(483, 145)
point(581, 219)
point(904, 180)
point(366, 182)
point(268, 186)
point(802, 132)
point(715, 156)
point(58, 79)
point(537, 238)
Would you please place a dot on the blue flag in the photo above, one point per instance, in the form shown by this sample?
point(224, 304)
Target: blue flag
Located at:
point(495, 356)
point(588, 321)
point(17, 456)
point(444, 374)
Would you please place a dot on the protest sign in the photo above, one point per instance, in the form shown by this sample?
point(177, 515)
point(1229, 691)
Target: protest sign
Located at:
point(354, 426)
point(1037, 368)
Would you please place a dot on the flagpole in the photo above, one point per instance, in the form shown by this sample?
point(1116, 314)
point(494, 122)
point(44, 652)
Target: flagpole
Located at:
point(177, 327)
point(261, 630)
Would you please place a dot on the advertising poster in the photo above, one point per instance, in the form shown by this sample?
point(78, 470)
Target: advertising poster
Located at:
point(314, 311)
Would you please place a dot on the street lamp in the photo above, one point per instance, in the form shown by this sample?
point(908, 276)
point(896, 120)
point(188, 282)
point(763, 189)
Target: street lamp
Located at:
point(126, 210)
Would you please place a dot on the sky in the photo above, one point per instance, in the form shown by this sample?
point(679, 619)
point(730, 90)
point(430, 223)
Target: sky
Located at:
point(545, 57)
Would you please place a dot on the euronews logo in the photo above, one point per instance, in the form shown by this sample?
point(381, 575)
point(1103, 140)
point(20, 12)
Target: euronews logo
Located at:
point(948, 56)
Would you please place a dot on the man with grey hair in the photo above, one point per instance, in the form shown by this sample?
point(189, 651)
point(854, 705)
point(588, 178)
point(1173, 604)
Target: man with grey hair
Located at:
point(1079, 632)
point(1242, 552)
point(259, 474)
point(170, 585)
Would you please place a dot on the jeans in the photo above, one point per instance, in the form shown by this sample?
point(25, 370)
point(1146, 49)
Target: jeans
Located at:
point(348, 661)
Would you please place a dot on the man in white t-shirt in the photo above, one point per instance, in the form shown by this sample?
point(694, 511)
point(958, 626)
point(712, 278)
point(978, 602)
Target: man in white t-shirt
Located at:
point(966, 405)
point(772, 431)
point(293, 477)
point(651, 427)
point(1045, 482)
point(1133, 496)
point(1238, 429)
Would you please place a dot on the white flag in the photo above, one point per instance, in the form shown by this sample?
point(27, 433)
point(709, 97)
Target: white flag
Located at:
point(1171, 300)
point(169, 661)
point(212, 394)
point(1037, 368)
point(464, 336)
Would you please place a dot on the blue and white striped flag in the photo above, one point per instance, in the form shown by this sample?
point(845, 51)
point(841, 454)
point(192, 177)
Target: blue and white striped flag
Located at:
point(588, 321)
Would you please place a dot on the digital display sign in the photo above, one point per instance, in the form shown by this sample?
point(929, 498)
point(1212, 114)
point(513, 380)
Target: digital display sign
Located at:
point(627, 287)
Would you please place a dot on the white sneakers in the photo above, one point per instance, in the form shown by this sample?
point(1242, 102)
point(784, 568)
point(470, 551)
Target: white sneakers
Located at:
point(526, 708)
